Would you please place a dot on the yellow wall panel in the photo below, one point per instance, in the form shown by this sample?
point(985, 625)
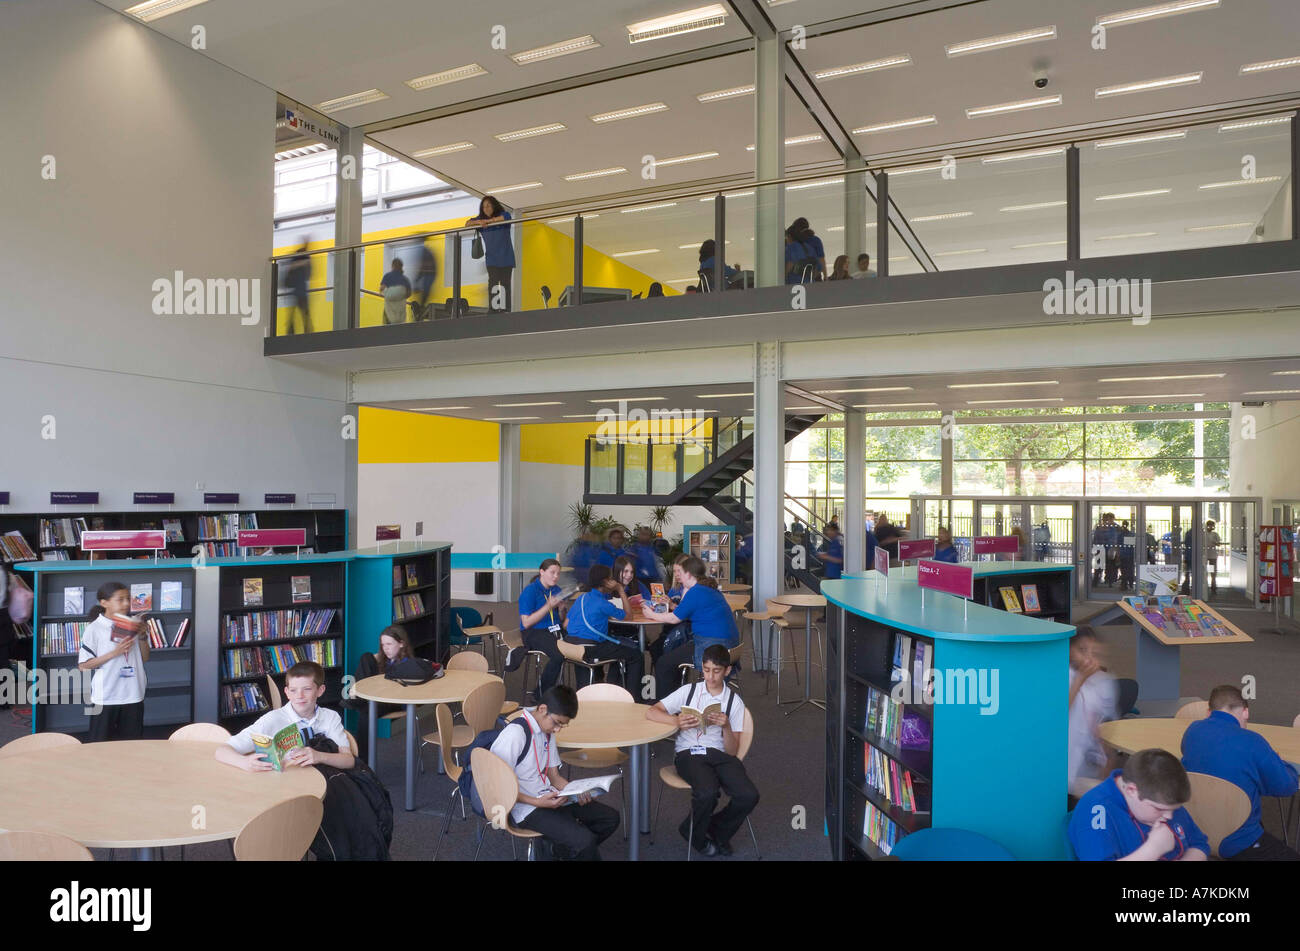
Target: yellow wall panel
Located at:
point(386, 435)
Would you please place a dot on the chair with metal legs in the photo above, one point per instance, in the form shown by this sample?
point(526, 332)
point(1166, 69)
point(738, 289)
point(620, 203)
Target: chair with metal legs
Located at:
point(450, 767)
point(601, 759)
point(774, 616)
point(575, 657)
point(498, 790)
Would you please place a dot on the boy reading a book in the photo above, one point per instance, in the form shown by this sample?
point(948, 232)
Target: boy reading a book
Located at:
point(303, 685)
point(710, 717)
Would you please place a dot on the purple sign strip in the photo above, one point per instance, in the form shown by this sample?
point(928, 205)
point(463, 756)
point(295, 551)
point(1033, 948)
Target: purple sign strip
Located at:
point(260, 537)
point(994, 544)
point(4, 498)
point(220, 498)
point(949, 578)
point(917, 548)
point(280, 498)
point(153, 498)
point(882, 561)
point(74, 498)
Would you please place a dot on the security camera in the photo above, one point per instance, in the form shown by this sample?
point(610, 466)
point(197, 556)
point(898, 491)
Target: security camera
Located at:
point(1040, 79)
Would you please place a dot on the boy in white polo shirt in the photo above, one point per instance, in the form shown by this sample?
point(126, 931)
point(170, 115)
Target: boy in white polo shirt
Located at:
point(303, 685)
point(706, 753)
point(574, 829)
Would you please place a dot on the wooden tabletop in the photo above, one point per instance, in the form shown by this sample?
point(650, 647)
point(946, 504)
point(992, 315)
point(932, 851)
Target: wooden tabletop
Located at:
point(1166, 733)
point(1237, 635)
point(645, 617)
point(135, 794)
point(607, 724)
point(730, 586)
point(452, 687)
point(801, 600)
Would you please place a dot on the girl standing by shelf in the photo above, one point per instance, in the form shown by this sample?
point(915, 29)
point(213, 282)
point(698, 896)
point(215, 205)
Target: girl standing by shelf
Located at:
point(118, 688)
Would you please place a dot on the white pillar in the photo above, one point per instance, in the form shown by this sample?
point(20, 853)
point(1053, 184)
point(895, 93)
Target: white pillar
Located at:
point(348, 177)
point(769, 485)
point(769, 159)
point(855, 490)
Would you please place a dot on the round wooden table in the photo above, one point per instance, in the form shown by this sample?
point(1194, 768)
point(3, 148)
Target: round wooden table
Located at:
point(605, 724)
point(452, 687)
point(1166, 733)
point(642, 621)
point(808, 601)
point(729, 587)
point(141, 794)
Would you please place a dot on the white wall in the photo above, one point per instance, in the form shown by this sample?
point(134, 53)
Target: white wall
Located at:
point(1267, 465)
point(162, 162)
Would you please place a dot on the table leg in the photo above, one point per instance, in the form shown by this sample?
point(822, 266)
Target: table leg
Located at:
point(412, 730)
point(146, 855)
point(807, 673)
point(370, 735)
point(1157, 668)
point(634, 811)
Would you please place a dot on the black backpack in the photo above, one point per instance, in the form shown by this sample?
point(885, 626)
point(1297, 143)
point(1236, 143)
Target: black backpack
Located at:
point(413, 670)
point(484, 741)
point(802, 264)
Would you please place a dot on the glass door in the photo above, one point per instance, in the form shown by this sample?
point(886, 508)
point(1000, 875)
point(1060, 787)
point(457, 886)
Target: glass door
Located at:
point(1164, 548)
point(1111, 559)
point(1004, 518)
point(1051, 533)
point(1229, 552)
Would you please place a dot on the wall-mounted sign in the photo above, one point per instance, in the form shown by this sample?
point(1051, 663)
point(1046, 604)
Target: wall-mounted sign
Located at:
point(153, 498)
point(220, 498)
point(308, 126)
point(147, 540)
point(74, 498)
point(4, 498)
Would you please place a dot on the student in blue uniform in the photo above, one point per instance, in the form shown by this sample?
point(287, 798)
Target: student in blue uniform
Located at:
point(1221, 746)
point(498, 251)
point(831, 554)
point(707, 254)
point(614, 547)
point(745, 559)
point(625, 574)
point(584, 553)
point(1136, 814)
point(712, 622)
point(944, 549)
point(540, 617)
point(588, 624)
point(647, 559)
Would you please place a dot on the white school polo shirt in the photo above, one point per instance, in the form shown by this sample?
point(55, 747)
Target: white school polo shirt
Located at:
point(323, 721)
point(122, 679)
point(708, 736)
point(531, 771)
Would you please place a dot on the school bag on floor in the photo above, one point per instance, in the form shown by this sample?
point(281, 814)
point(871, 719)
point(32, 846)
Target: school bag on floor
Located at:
point(484, 741)
point(357, 823)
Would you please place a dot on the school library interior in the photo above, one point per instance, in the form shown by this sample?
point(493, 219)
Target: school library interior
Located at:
point(449, 445)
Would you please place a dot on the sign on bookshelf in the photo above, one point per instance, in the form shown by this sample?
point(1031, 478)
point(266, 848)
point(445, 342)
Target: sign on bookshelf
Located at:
point(942, 576)
point(385, 533)
point(262, 537)
point(74, 498)
point(916, 548)
point(148, 540)
point(220, 498)
point(995, 544)
point(882, 561)
point(280, 498)
point(153, 498)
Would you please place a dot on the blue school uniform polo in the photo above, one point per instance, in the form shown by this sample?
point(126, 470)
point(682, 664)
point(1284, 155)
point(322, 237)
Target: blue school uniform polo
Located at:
point(497, 249)
point(1102, 829)
point(835, 548)
point(948, 554)
point(590, 616)
point(533, 599)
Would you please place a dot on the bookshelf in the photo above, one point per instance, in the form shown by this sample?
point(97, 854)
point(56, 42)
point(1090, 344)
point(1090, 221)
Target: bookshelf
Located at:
point(1053, 583)
point(985, 735)
point(1275, 557)
point(715, 545)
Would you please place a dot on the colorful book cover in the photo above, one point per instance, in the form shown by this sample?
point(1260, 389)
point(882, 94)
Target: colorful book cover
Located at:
point(142, 596)
point(124, 628)
point(1030, 592)
point(1009, 599)
point(300, 585)
point(169, 596)
point(74, 600)
point(275, 749)
point(252, 592)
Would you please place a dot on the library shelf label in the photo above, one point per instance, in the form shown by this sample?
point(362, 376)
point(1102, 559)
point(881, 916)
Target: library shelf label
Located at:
point(153, 498)
point(387, 533)
point(148, 540)
point(280, 498)
point(995, 544)
point(916, 548)
point(949, 578)
point(220, 498)
point(260, 537)
point(882, 561)
point(74, 498)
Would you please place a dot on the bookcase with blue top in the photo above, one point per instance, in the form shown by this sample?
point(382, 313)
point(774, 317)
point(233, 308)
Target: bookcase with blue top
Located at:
point(1039, 589)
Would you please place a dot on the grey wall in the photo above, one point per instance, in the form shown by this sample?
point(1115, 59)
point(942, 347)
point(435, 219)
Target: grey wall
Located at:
point(163, 162)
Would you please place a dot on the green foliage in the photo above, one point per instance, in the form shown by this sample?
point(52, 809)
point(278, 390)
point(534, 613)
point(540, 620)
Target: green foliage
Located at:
point(581, 516)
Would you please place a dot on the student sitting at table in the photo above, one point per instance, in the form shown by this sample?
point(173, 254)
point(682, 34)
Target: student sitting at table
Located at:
point(572, 828)
point(303, 685)
point(394, 645)
point(678, 634)
point(625, 573)
point(1136, 815)
point(1221, 746)
point(540, 615)
point(588, 624)
point(712, 622)
point(706, 753)
point(944, 549)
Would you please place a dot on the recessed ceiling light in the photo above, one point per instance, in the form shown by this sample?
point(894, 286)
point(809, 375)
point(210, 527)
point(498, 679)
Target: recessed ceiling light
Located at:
point(687, 247)
point(632, 211)
point(1043, 399)
point(596, 173)
point(1001, 108)
point(896, 124)
point(1286, 373)
point(720, 94)
point(913, 169)
point(522, 186)
point(1017, 156)
point(1150, 13)
point(795, 140)
point(818, 184)
point(730, 195)
point(154, 9)
point(889, 405)
point(1268, 392)
point(1144, 194)
point(1035, 206)
point(516, 405)
point(434, 409)
point(683, 159)
point(447, 76)
point(567, 221)
point(443, 149)
point(719, 396)
point(778, 3)
point(1036, 244)
point(632, 254)
point(1252, 123)
point(563, 48)
point(1262, 180)
point(630, 113)
point(627, 399)
point(997, 42)
point(506, 419)
point(1146, 85)
point(835, 72)
point(1123, 237)
point(530, 133)
point(1224, 227)
point(349, 102)
point(1150, 396)
point(869, 389)
point(582, 415)
point(944, 217)
point(835, 228)
point(950, 254)
point(1175, 376)
point(984, 386)
point(1270, 64)
point(674, 24)
point(1135, 139)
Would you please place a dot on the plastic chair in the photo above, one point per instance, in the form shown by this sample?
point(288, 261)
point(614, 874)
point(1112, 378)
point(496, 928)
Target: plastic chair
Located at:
point(1217, 806)
point(200, 733)
point(282, 833)
point(949, 845)
point(1128, 695)
point(468, 660)
point(574, 657)
point(481, 709)
point(531, 667)
point(468, 629)
point(450, 767)
point(498, 789)
point(32, 742)
point(1196, 710)
point(273, 696)
point(669, 776)
point(352, 743)
point(22, 846)
point(602, 759)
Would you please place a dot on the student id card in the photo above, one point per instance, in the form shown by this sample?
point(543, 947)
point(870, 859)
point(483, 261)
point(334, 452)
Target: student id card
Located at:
point(699, 750)
point(128, 671)
point(554, 629)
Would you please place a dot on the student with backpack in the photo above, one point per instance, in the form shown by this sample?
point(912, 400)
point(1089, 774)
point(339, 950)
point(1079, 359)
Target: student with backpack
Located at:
point(574, 829)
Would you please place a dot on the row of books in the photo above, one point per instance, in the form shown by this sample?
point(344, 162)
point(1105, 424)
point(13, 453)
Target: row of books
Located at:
point(237, 699)
point(410, 572)
point(879, 829)
point(219, 549)
point(408, 605)
point(275, 625)
point(226, 525)
point(884, 716)
point(912, 658)
point(1179, 614)
point(158, 633)
point(247, 661)
point(55, 532)
point(894, 781)
point(299, 589)
point(55, 554)
point(13, 547)
point(62, 637)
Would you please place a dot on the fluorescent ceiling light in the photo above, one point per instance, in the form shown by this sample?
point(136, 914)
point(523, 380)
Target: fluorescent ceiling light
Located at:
point(1151, 396)
point(1150, 13)
point(835, 72)
point(1175, 376)
point(933, 167)
point(1036, 244)
point(502, 189)
point(1146, 85)
point(1122, 237)
point(530, 133)
point(731, 195)
point(632, 211)
point(596, 173)
point(795, 140)
point(1017, 156)
point(825, 181)
point(630, 113)
point(1044, 399)
point(687, 247)
point(632, 254)
point(1270, 64)
point(778, 3)
point(1035, 206)
point(720, 94)
point(975, 112)
point(683, 159)
point(944, 217)
point(719, 396)
point(514, 405)
point(627, 399)
point(1267, 392)
point(447, 76)
point(870, 389)
point(563, 48)
point(889, 405)
point(836, 228)
point(1252, 123)
point(1286, 373)
point(1223, 227)
point(804, 409)
point(997, 42)
point(1144, 194)
point(1135, 139)
point(949, 254)
point(582, 415)
point(443, 149)
point(154, 9)
point(896, 124)
point(567, 221)
point(985, 386)
point(506, 419)
point(349, 102)
point(902, 257)
point(1262, 180)
point(675, 24)
point(433, 409)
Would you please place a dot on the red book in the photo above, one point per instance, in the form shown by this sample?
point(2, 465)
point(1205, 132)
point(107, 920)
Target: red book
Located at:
point(124, 628)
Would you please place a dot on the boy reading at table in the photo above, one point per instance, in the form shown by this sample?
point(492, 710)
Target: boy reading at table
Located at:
point(303, 685)
point(1136, 815)
point(706, 753)
point(574, 830)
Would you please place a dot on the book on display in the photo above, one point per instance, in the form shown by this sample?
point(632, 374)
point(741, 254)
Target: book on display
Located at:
point(1030, 593)
point(300, 586)
point(169, 596)
point(252, 592)
point(74, 600)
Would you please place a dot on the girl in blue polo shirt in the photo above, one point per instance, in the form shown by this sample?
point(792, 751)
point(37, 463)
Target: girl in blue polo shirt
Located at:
point(711, 623)
point(944, 549)
point(588, 624)
point(498, 251)
point(539, 624)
